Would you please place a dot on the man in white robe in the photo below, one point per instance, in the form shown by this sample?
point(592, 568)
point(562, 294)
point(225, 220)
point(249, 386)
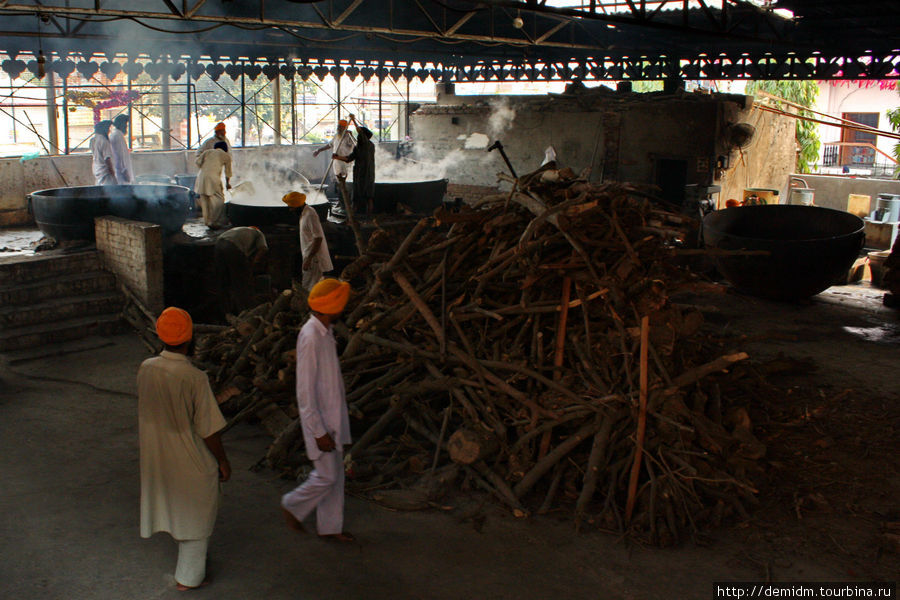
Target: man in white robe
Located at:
point(323, 416)
point(342, 144)
point(181, 453)
point(121, 155)
point(313, 248)
point(101, 155)
point(208, 186)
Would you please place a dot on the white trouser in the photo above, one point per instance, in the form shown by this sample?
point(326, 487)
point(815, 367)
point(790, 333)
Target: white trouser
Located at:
point(312, 276)
point(191, 568)
point(212, 207)
point(323, 492)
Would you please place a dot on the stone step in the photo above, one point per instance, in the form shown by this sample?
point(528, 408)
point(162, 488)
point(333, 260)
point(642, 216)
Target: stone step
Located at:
point(59, 309)
point(30, 336)
point(62, 286)
point(23, 269)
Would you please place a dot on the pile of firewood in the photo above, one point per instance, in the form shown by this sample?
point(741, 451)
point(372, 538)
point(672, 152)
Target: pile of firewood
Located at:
point(526, 346)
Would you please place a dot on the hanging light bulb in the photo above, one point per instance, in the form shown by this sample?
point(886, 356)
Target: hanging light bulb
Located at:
point(40, 64)
point(518, 22)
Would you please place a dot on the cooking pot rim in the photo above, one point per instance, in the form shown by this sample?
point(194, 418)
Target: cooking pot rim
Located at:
point(709, 222)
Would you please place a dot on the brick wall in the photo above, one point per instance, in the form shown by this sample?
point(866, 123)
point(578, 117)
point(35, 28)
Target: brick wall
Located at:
point(469, 193)
point(133, 251)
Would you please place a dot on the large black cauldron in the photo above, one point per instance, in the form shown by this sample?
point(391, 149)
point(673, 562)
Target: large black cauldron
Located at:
point(68, 213)
point(261, 215)
point(810, 247)
point(422, 197)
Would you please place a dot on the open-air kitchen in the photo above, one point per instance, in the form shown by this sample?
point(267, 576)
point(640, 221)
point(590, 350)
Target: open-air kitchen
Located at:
point(593, 299)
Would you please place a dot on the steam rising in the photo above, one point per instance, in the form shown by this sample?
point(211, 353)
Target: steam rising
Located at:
point(501, 118)
point(422, 167)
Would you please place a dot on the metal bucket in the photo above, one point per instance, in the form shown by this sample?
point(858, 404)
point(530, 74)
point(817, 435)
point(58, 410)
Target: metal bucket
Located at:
point(802, 196)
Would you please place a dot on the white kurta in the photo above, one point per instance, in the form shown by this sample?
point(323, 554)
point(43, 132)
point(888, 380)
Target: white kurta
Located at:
point(310, 229)
point(342, 145)
point(179, 475)
point(209, 178)
point(121, 156)
point(323, 409)
point(320, 387)
point(100, 151)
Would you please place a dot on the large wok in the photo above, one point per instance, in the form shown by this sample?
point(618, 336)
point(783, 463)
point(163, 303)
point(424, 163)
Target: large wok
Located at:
point(274, 213)
point(68, 213)
point(422, 197)
point(810, 248)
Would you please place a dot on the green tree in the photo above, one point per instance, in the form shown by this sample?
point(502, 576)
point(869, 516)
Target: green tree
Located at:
point(894, 118)
point(803, 93)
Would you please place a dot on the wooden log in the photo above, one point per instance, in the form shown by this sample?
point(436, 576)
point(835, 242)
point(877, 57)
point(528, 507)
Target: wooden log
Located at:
point(592, 469)
point(561, 327)
point(467, 446)
point(555, 455)
point(420, 305)
point(284, 441)
point(642, 419)
point(698, 373)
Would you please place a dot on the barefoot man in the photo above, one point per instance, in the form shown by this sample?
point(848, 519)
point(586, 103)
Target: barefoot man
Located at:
point(323, 416)
point(182, 458)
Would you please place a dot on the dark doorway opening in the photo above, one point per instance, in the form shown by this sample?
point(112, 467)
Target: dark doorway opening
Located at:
point(671, 177)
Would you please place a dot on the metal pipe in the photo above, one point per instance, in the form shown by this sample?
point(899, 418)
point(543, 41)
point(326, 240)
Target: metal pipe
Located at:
point(130, 124)
point(243, 108)
point(166, 117)
point(187, 93)
point(276, 93)
point(65, 108)
point(52, 125)
point(293, 110)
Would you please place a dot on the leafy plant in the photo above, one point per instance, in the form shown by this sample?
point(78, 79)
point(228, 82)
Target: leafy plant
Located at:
point(803, 93)
point(894, 118)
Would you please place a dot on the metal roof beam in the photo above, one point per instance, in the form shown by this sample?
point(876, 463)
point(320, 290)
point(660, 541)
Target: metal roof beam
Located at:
point(347, 12)
point(280, 23)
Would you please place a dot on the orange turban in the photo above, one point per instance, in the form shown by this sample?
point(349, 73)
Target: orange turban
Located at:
point(174, 326)
point(343, 123)
point(294, 199)
point(329, 296)
point(219, 127)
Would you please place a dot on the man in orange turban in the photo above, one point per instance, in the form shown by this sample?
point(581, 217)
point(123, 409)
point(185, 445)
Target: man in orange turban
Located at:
point(323, 416)
point(218, 136)
point(313, 248)
point(182, 457)
point(341, 144)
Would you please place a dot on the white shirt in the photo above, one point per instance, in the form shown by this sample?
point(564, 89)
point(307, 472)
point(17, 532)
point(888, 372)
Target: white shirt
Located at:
point(209, 178)
point(100, 150)
point(320, 387)
point(310, 229)
point(342, 145)
point(179, 475)
point(121, 156)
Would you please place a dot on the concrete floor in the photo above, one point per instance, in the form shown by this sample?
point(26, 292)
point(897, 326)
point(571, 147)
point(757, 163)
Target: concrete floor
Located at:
point(70, 501)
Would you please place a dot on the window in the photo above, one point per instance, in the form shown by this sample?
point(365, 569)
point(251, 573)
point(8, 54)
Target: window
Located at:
point(852, 155)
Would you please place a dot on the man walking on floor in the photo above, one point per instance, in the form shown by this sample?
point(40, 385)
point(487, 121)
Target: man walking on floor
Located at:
point(323, 416)
point(182, 458)
point(313, 248)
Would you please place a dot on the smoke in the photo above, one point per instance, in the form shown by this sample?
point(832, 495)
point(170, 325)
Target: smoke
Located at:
point(262, 177)
point(423, 166)
point(501, 117)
